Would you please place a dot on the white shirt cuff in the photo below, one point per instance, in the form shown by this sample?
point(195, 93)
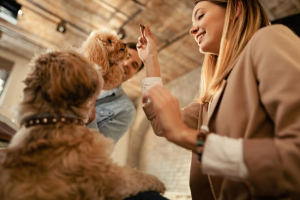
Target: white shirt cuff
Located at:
point(223, 156)
point(149, 82)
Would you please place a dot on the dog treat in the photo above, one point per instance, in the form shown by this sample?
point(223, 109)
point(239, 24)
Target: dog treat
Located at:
point(142, 26)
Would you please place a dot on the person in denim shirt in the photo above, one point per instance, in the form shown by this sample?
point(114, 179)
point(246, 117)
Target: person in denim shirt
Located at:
point(114, 110)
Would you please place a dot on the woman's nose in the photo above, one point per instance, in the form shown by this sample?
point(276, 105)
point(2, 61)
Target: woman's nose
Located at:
point(193, 30)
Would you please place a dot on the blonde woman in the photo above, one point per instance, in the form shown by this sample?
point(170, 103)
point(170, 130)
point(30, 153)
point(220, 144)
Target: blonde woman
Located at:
point(244, 129)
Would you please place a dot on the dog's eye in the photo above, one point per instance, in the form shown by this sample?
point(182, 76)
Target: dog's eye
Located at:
point(109, 40)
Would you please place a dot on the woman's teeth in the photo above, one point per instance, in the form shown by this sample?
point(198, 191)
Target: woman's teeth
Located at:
point(200, 37)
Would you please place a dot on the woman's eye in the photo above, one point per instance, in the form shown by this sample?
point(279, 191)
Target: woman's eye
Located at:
point(200, 16)
point(109, 40)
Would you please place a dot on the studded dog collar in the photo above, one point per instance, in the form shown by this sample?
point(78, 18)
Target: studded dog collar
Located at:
point(34, 121)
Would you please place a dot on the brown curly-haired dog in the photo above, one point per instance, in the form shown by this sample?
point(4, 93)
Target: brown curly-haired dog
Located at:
point(104, 48)
point(54, 156)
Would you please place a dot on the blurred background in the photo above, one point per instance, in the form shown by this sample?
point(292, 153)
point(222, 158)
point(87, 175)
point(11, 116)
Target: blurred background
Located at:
point(30, 26)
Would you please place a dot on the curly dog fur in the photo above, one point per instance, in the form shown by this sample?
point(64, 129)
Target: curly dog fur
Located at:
point(63, 160)
point(104, 48)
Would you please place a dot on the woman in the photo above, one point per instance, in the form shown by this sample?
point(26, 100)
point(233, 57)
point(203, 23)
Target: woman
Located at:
point(249, 100)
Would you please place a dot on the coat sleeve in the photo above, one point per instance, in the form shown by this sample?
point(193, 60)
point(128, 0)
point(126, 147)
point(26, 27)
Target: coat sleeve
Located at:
point(274, 164)
point(190, 115)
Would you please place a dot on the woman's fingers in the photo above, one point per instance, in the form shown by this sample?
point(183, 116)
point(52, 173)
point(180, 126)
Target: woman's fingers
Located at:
point(147, 32)
point(145, 99)
point(142, 40)
point(139, 45)
point(161, 98)
point(153, 93)
point(166, 108)
point(142, 31)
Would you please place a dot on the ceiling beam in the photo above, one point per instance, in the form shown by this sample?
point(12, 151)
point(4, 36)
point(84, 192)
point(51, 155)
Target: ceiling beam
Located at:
point(113, 9)
point(53, 14)
point(141, 6)
point(169, 42)
point(25, 35)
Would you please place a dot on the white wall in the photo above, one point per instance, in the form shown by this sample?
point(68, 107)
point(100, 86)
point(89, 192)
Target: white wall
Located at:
point(120, 152)
point(13, 88)
point(157, 156)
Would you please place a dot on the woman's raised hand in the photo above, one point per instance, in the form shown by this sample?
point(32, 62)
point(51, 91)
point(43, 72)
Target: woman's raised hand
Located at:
point(147, 50)
point(146, 45)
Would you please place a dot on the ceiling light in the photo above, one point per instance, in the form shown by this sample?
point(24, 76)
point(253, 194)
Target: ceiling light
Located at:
point(121, 33)
point(61, 27)
point(20, 12)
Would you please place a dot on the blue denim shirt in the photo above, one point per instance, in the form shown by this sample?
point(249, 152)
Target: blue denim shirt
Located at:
point(114, 113)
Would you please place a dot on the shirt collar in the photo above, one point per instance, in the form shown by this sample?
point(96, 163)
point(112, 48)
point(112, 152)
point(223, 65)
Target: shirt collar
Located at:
point(106, 93)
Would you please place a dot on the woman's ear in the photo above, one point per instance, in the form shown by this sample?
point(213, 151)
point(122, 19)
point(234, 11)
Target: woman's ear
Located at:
point(238, 10)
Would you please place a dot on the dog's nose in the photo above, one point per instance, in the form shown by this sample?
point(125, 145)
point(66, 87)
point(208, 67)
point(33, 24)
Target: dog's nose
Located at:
point(124, 44)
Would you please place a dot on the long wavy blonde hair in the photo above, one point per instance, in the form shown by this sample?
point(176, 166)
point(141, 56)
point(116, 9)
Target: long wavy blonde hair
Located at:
point(236, 34)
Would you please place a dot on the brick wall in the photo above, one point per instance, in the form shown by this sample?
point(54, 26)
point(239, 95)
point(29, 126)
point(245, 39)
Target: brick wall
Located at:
point(155, 155)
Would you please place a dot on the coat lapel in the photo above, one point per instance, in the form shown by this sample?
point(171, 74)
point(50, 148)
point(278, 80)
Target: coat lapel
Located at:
point(215, 100)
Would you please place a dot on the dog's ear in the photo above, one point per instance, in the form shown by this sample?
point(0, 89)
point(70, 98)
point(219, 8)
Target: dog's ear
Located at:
point(61, 80)
point(113, 77)
point(77, 81)
point(94, 49)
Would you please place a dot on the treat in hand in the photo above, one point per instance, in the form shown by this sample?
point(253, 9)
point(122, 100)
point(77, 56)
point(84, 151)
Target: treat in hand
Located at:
point(142, 26)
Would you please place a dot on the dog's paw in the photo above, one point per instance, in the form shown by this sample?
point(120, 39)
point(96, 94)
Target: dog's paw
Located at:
point(155, 184)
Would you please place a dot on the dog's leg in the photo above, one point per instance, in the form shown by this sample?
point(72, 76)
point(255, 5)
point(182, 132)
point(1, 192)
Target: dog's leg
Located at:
point(122, 182)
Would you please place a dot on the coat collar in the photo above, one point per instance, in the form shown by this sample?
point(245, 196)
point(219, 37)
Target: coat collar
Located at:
point(215, 100)
point(218, 95)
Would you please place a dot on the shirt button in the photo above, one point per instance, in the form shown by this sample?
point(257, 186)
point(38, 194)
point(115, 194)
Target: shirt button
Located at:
point(101, 112)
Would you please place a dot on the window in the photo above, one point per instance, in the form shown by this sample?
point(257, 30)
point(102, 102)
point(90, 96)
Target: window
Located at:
point(5, 69)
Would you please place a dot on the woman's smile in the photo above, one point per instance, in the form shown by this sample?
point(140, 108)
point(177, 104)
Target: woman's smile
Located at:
point(199, 37)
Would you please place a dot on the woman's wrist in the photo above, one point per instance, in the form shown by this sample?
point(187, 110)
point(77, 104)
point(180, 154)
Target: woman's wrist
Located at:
point(190, 139)
point(193, 139)
point(152, 67)
point(151, 61)
point(185, 137)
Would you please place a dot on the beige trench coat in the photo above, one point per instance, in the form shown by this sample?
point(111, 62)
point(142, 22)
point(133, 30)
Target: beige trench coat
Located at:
point(259, 102)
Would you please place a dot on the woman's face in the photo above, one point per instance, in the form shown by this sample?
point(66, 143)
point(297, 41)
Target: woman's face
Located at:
point(208, 20)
